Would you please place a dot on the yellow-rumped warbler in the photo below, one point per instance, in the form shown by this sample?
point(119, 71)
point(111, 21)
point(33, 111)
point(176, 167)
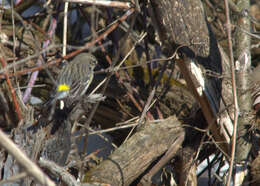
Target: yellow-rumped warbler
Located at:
point(72, 83)
point(74, 78)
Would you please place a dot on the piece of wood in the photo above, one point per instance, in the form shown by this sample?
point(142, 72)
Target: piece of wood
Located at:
point(133, 157)
point(182, 24)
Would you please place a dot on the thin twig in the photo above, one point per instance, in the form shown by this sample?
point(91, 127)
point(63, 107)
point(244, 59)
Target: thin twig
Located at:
point(236, 111)
point(58, 171)
point(13, 179)
point(65, 27)
point(34, 76)
point(115, 4)
point(85, 47)
point(24, 161)
point(15, 102)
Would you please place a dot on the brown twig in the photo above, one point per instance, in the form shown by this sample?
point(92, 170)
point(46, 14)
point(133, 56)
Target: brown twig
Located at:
point(236, 111)
point(15, 102)
point(85, 47)
point(115, 4)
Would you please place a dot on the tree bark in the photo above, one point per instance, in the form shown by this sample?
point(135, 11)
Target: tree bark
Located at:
point(133, 157)
point(183, 24)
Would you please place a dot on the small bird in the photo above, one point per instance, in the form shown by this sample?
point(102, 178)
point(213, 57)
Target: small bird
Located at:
point(74, 78)
point(72, 83)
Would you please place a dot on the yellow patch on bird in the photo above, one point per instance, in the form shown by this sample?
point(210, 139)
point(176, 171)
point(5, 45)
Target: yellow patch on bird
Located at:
point(63, 87)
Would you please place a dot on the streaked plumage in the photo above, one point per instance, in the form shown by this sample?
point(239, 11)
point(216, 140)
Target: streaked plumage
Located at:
point(74, 78)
